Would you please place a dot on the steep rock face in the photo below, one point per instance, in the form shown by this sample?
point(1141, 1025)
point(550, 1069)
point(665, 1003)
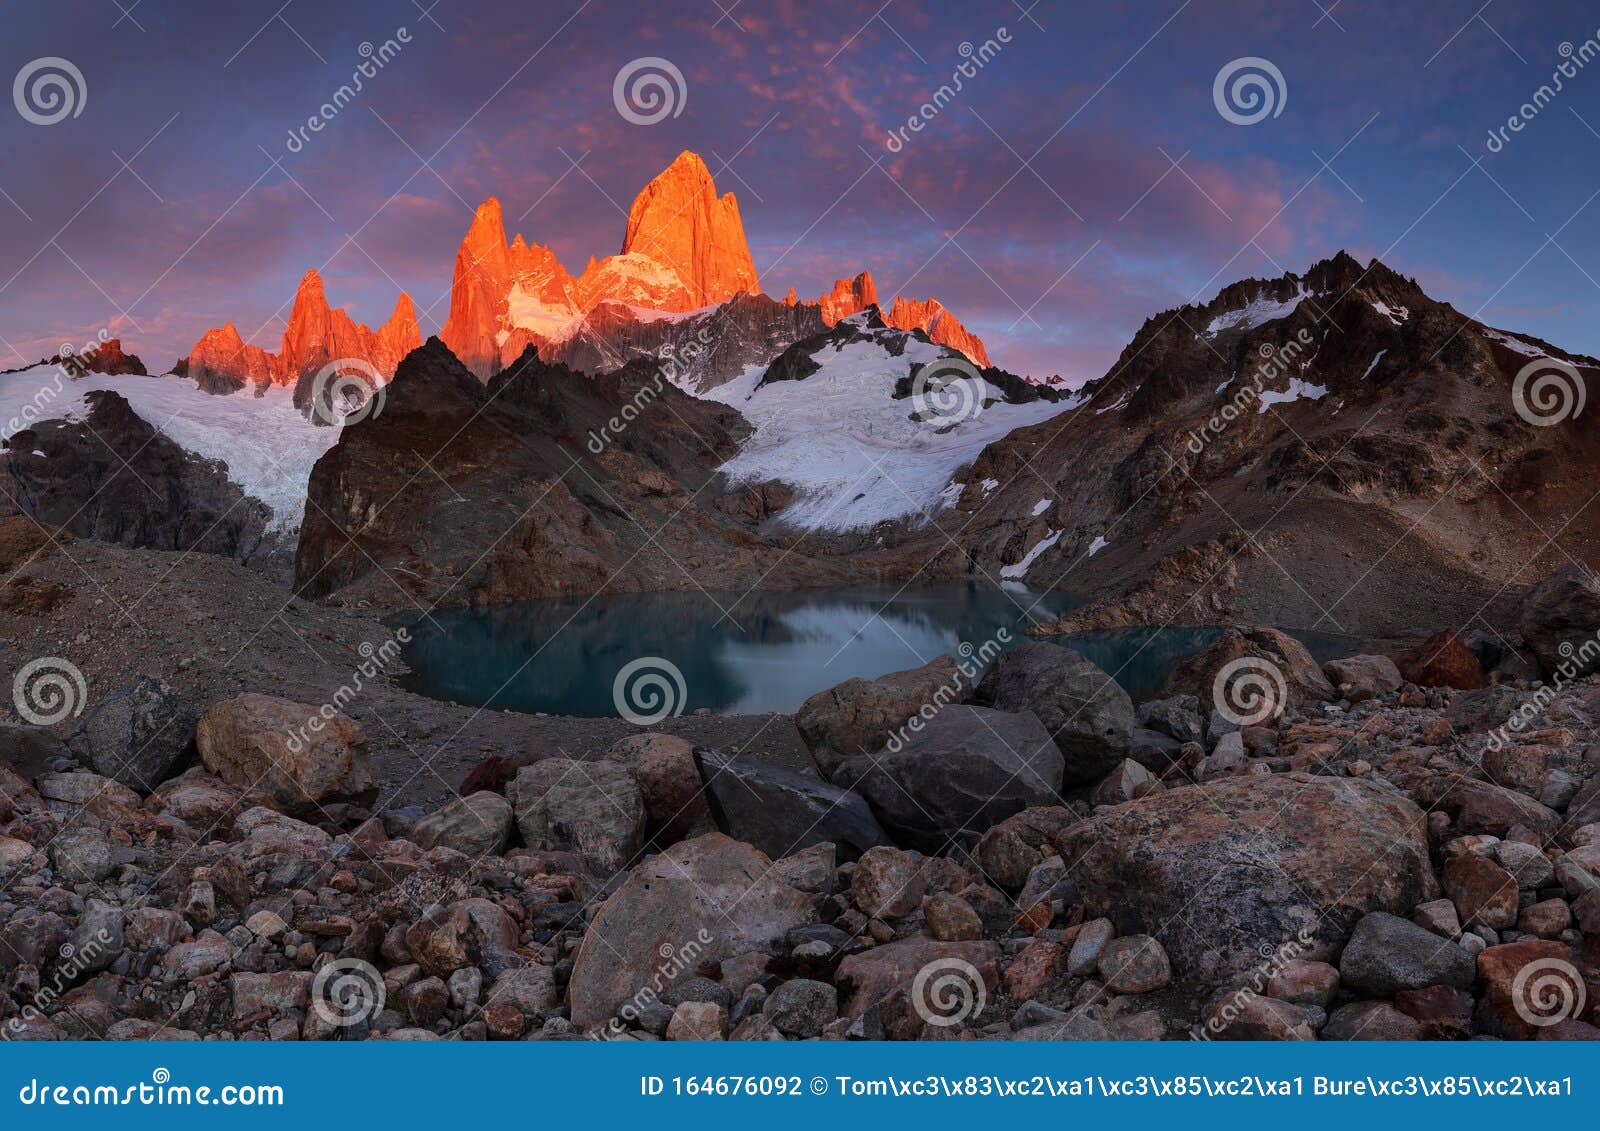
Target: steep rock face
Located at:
point(679, 221)
point(316, 334)
point(684, 288)
point(114, 478)
point(852, 296)
point(223, 362)
point(106, 357)
point(1260, 457)
point(542, 485)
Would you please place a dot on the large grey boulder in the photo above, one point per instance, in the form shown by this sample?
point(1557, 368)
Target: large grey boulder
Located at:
point(139, 736)
point(858, 716)
point(591, 808)
point(1224, 873)
point(701, 902)
point(1559, 619)
point(967, 769)
point(479, 824)
point(1387, 954)
point(1363, 677)
point(1090, 717)
point(781, 811)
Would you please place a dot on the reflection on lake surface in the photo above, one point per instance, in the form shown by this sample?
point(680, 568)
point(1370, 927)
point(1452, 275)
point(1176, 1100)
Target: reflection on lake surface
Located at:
point(769, 652)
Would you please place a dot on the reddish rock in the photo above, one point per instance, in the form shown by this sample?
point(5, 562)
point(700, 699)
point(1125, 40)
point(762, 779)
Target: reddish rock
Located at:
point(679, 221)
point(1442, 660)
point(1040, 965)
point(1527, 986)
point(315, 335)
point(1445, 1013)
point(1485, 894)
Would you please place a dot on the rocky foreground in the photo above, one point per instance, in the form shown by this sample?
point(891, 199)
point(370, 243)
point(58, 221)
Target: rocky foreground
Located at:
point(1373, 848)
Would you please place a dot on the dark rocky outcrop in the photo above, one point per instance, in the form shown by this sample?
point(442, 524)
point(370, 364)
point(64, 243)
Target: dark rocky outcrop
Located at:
point(114, 478)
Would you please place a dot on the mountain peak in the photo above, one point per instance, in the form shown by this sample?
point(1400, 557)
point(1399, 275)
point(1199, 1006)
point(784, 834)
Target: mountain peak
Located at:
point(679, 221)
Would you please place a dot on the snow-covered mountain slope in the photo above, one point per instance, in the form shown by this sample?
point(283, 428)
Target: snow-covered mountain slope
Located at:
point(850, 444)
point(268, 445)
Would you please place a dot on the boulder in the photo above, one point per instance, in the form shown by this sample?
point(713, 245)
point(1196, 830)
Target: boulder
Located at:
point(712, 894)
point(1370, 1021)
point(801, 1007)
point(782, 811)
point(888, 883)
point(1442, 660)
point(591, 808)
point(1225, 872)
point(1231, 674)
point(1248, 1016)
point(859, 716)
point(669, 784)
point(31, 751)
point(1387, 954)
point(1485, 894)
point(304, 756)
point(1527, 986)
point(1134, 964)
point(1559, 620)
point(139, 736)
point(1090, 717)
point(873, 974)
point(1178, 717)
point(1009, 851)
point(1363, 677)
point(478, 825)
point(967, 770)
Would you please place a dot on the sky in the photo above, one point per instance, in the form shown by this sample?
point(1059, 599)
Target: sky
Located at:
point(1086, 176)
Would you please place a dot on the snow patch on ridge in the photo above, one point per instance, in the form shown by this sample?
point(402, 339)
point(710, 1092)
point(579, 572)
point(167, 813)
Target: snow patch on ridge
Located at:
point(1020, 569)
point(1258, 312)
point(267, 443)
point(850, 450)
